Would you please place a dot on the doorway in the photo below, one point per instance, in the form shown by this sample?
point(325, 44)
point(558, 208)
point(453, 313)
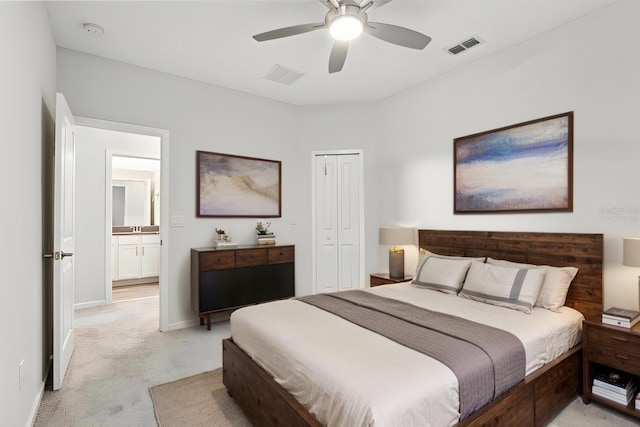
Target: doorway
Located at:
point(98, 135)
point(135, 190)
point(338, 220)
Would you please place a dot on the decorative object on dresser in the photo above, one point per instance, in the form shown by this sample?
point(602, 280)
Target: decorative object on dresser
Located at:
point(227, 279)
point(237, 186)
point(377, 279)
point(611, 364)
point(223, 240)
point(396, 236)
point(265, 236)
point(620, 317)
point(631, 256)
point(523, 167)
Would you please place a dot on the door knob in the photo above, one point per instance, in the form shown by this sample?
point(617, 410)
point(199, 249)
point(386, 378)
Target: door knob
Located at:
point(58, 255)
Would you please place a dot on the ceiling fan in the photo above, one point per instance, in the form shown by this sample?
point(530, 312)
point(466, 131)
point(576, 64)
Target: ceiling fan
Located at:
point(346, 20)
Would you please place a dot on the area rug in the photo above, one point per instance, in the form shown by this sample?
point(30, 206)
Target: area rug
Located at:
point(200, 400)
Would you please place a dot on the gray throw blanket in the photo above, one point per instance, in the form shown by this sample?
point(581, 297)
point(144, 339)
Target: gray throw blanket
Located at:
point(487, 361)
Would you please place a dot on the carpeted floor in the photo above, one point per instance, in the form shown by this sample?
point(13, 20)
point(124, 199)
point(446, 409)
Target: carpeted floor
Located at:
point(120, 354)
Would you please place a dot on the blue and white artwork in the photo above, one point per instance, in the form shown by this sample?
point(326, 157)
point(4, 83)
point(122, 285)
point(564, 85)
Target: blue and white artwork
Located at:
point(525, 167)
point(238, 186)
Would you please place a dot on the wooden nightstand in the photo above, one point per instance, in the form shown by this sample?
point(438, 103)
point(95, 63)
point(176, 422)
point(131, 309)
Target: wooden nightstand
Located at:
point(611, 347)
point(378, 279)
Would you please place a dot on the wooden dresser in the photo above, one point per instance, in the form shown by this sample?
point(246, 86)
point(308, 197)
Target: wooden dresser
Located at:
point(229, 278)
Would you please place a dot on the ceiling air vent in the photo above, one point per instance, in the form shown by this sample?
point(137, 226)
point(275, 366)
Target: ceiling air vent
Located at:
point(465, 45)
point(282, 75)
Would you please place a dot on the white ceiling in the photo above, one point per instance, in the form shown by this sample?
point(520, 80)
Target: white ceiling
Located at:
point(210, 41)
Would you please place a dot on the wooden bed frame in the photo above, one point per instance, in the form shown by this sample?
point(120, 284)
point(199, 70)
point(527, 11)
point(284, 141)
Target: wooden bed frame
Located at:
point(532, 402)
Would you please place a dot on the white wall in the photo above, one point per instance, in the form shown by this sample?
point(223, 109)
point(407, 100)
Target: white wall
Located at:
point(91, 150)
point(198, 117)
point(27, 108)
point(586, 67)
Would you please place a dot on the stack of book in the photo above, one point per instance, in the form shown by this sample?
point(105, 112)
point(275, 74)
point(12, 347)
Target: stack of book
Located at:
point(225, 244)
point(266, 239)
point(638, 402)
point(620, 317)
point(615, 386)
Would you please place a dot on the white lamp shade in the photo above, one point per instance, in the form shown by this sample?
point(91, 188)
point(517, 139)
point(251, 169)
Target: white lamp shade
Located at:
point(397, 236)
point(631, 252)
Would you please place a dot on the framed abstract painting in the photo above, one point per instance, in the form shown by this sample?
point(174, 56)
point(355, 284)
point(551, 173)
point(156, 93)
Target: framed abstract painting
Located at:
point(237, 186)
point(525, 167)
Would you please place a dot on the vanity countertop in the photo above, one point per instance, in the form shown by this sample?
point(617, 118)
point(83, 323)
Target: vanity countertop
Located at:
point(137, 229)
point(126, 233)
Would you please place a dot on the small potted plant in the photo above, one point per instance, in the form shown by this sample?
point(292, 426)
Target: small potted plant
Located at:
point(265, 236)
point(221, 234)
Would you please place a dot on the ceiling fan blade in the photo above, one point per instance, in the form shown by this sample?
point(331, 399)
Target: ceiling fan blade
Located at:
point(338, 56)
point(398, 35)
point(376, 3)
point(288, 31)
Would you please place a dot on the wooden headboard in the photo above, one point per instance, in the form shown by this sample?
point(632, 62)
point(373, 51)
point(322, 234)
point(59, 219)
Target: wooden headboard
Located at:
point(584, 251)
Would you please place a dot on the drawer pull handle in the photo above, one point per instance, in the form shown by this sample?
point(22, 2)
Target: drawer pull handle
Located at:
point(619, 339)
point(622, 356)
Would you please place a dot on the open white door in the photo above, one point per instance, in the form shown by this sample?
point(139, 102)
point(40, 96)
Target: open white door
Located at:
point(63, 241)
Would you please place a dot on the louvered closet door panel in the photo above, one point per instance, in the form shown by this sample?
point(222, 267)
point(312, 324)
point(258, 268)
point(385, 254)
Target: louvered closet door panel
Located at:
point(326, 224)
point(348, 221)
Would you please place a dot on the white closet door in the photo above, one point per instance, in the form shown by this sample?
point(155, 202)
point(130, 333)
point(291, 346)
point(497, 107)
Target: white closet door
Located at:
point(326, 224)
point(348, 222)
point(337, 222)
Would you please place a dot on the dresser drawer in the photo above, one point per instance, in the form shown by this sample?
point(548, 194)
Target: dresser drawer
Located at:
point(280, 255)
point(610, 338)
point(217, 260)
point(251, 257)
point(615, 358)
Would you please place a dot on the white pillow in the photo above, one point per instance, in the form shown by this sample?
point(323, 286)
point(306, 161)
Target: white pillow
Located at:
point(515, 288)
point(442, 273)
point(423, 253)
point(554, 287)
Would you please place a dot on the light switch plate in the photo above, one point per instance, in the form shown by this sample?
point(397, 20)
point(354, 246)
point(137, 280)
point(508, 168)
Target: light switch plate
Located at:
point(177, 220)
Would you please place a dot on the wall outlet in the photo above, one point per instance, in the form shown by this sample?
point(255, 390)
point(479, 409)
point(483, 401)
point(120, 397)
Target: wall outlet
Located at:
point(20, 374)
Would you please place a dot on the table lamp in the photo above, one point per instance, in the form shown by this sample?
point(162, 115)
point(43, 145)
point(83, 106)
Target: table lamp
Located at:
point(395, 236)
point(631, 256)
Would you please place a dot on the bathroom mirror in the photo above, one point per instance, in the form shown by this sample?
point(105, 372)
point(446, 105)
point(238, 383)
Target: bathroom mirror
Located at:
point(131, 203)
point(135, 184)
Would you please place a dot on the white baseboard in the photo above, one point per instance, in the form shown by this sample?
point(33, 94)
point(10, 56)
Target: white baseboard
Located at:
point(183, 324)
point(33, 413)
point(89, 304)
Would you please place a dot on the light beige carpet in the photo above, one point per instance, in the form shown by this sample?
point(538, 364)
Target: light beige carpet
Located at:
point(200, 400)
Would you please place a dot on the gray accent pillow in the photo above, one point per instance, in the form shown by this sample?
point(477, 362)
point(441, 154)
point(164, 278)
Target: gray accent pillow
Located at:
point(515, 288)
point(554, 287)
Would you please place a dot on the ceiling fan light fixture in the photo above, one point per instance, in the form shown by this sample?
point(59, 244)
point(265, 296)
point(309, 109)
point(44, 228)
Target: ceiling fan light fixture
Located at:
point(346, 27)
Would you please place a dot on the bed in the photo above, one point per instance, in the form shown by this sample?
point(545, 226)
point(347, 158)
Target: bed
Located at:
point(548, 387)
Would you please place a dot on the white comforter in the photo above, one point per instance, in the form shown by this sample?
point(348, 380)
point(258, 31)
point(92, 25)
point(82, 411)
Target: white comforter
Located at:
point(349, 376)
